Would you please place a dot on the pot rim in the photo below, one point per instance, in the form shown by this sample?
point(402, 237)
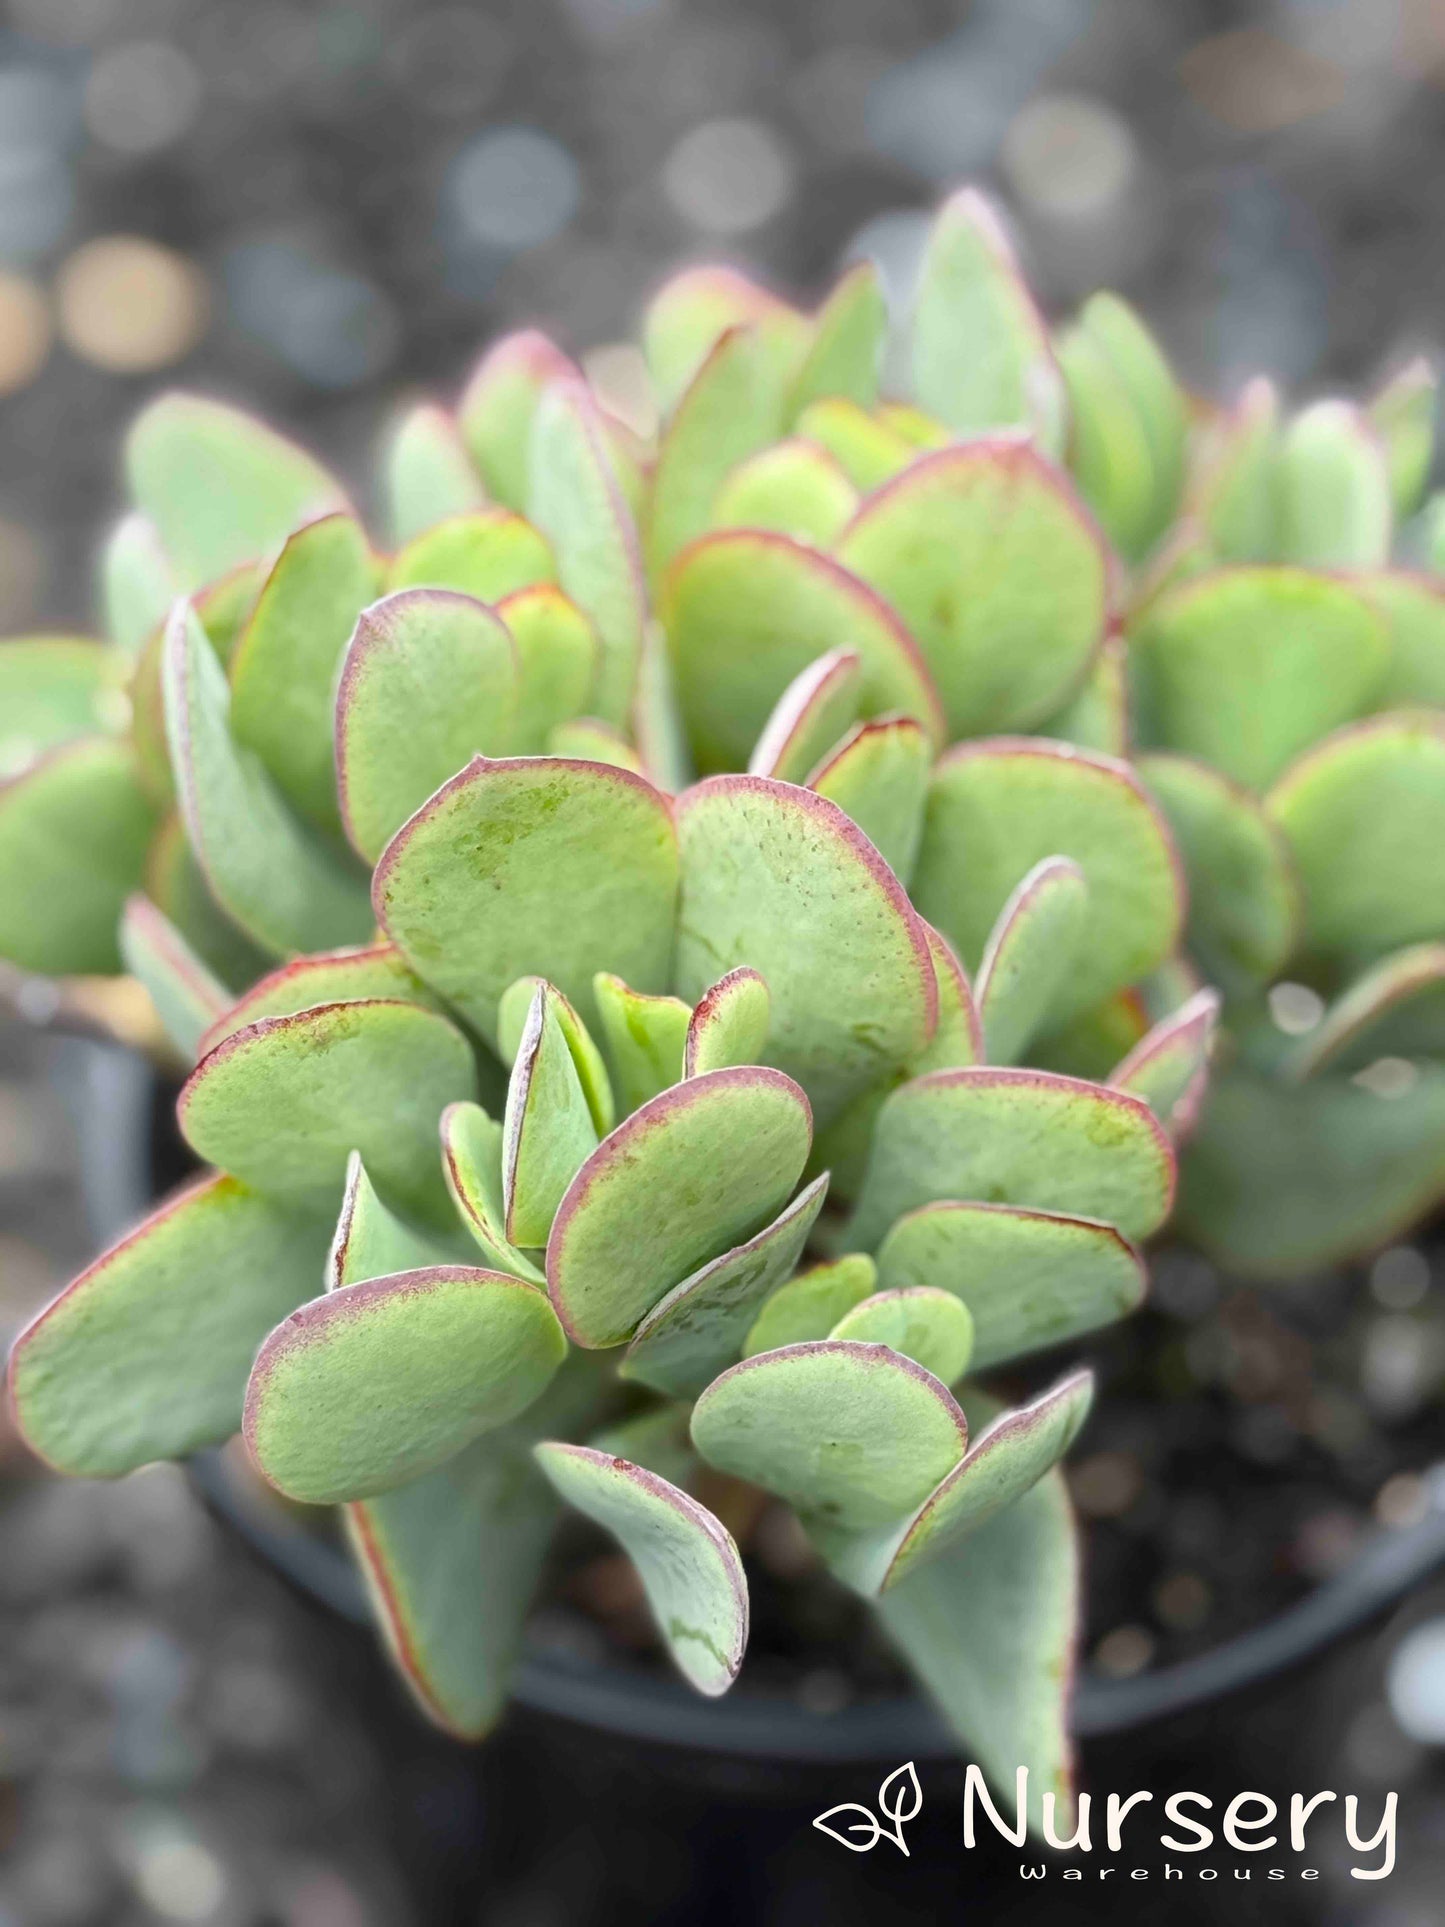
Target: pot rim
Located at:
point(110, 1090)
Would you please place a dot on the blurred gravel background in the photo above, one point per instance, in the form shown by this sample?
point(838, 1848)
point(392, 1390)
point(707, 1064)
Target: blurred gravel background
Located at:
point(318, 208)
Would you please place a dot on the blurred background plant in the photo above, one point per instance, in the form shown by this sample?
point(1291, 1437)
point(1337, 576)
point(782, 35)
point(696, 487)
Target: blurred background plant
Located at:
point(316, 207)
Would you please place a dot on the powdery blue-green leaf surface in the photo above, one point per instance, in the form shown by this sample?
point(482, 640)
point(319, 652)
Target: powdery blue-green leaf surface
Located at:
point(283, 668)
point(1016, 1137)
point(1244, 902)
point(272, 876)
point(145, 1355)
point(931, 1326)
point(326, 977)
point(219, 486)
point(1244, 668)
point(188, 999)
point(429, 681)
point(729, 1025)
point(998, 573)
point(686, 1559)
point(793, 488)
point(428, 474)
point(991, 1629)
point(980, 348)
point(1396, 1009)
point(879, 777)
point(998, 807)
point(472, 1165)
point(1001, 1465)
point(655, 1438)
point(576, 498)
point(818, 706)
point(512, 1015)
point(548, 1130)
point(1364, 817)
point(499, 404)
point(1030, 952)
point(1332, 490)
point(779, 879)
point(543, 867)
point(701, 1168)
point(958, 1040)
point(853, 1436)
point(175, 883)
point(1282, 1180)
point(810, 1305)
point(490, 555)
point(371, 1241)
point(282, 1103)
point(745, 612)
point(1031, 1279)
point(699, 1327)
point(1169, 1068)
point(377, 1383)
point(645, 1036)
point(557, 657)
point(74, 832)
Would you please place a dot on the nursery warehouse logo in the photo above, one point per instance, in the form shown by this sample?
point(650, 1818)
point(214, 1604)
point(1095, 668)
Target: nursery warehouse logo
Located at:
point(1186, 1824)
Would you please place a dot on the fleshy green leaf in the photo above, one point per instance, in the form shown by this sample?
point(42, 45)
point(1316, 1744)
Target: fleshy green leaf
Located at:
point(1414, 607)
point(1097, 716)
point(1283, 1180)
point(1234, 496)
point(1003, 1464)
point(732, 408)
point(429, 681)
point(1402, 414)
point(541, 867)
point(922, 1322)
point(489, 555)
point(74, 830)
point(176, 884)
point(656, 1438)
point(548, 1131)
point(498, 406)
point(188, 999)
point(429, 475)
point(137, 583)
point(219, 486)
point(981, 354)
point(1109, 452)
point(1031, 951)
point(809, 1306)
point(699, 1169)
point(378, 1383)
point(869, 450)
point(686, 1559)
point(145, 1355)
point(557, 652)
point(283, 671)
point(996, 571)
point(279, 884)
point(730, 1024)
point(512, 1015)
point(691, 313)
point(998, 808)
point(699, 1327)
point(282, 1103)
point(1364, 816)
point(1169, 1068)
point(1031, 1279)
point(879, 777)
point(1244, 901)
point(55, 690)
point(1333, 490)
point(1017, 1137)
point(1244, 668)
point(327, 977)
point(958, 1041)
point(1396, 1009)
point(371, 1241)
point(746, 611)
point(851, 1435)
point(645, 1037)
point(779, 879)
point(849, 334)
point(591, 741)
point(472, 1164)
point(990, 1628)
point(819, 706)
point(576, 499)
point(1145, 380)
point(793, 488)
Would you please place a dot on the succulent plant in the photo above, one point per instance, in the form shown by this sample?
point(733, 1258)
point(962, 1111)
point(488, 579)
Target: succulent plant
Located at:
point(409, 849)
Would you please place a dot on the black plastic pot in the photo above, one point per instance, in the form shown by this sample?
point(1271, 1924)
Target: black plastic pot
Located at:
point(113, 1096)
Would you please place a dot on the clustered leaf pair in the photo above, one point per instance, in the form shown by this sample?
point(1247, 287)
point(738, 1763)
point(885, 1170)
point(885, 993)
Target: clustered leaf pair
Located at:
point(568, 1051)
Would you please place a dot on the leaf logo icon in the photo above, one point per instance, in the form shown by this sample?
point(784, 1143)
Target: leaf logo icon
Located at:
point(900, 1799)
